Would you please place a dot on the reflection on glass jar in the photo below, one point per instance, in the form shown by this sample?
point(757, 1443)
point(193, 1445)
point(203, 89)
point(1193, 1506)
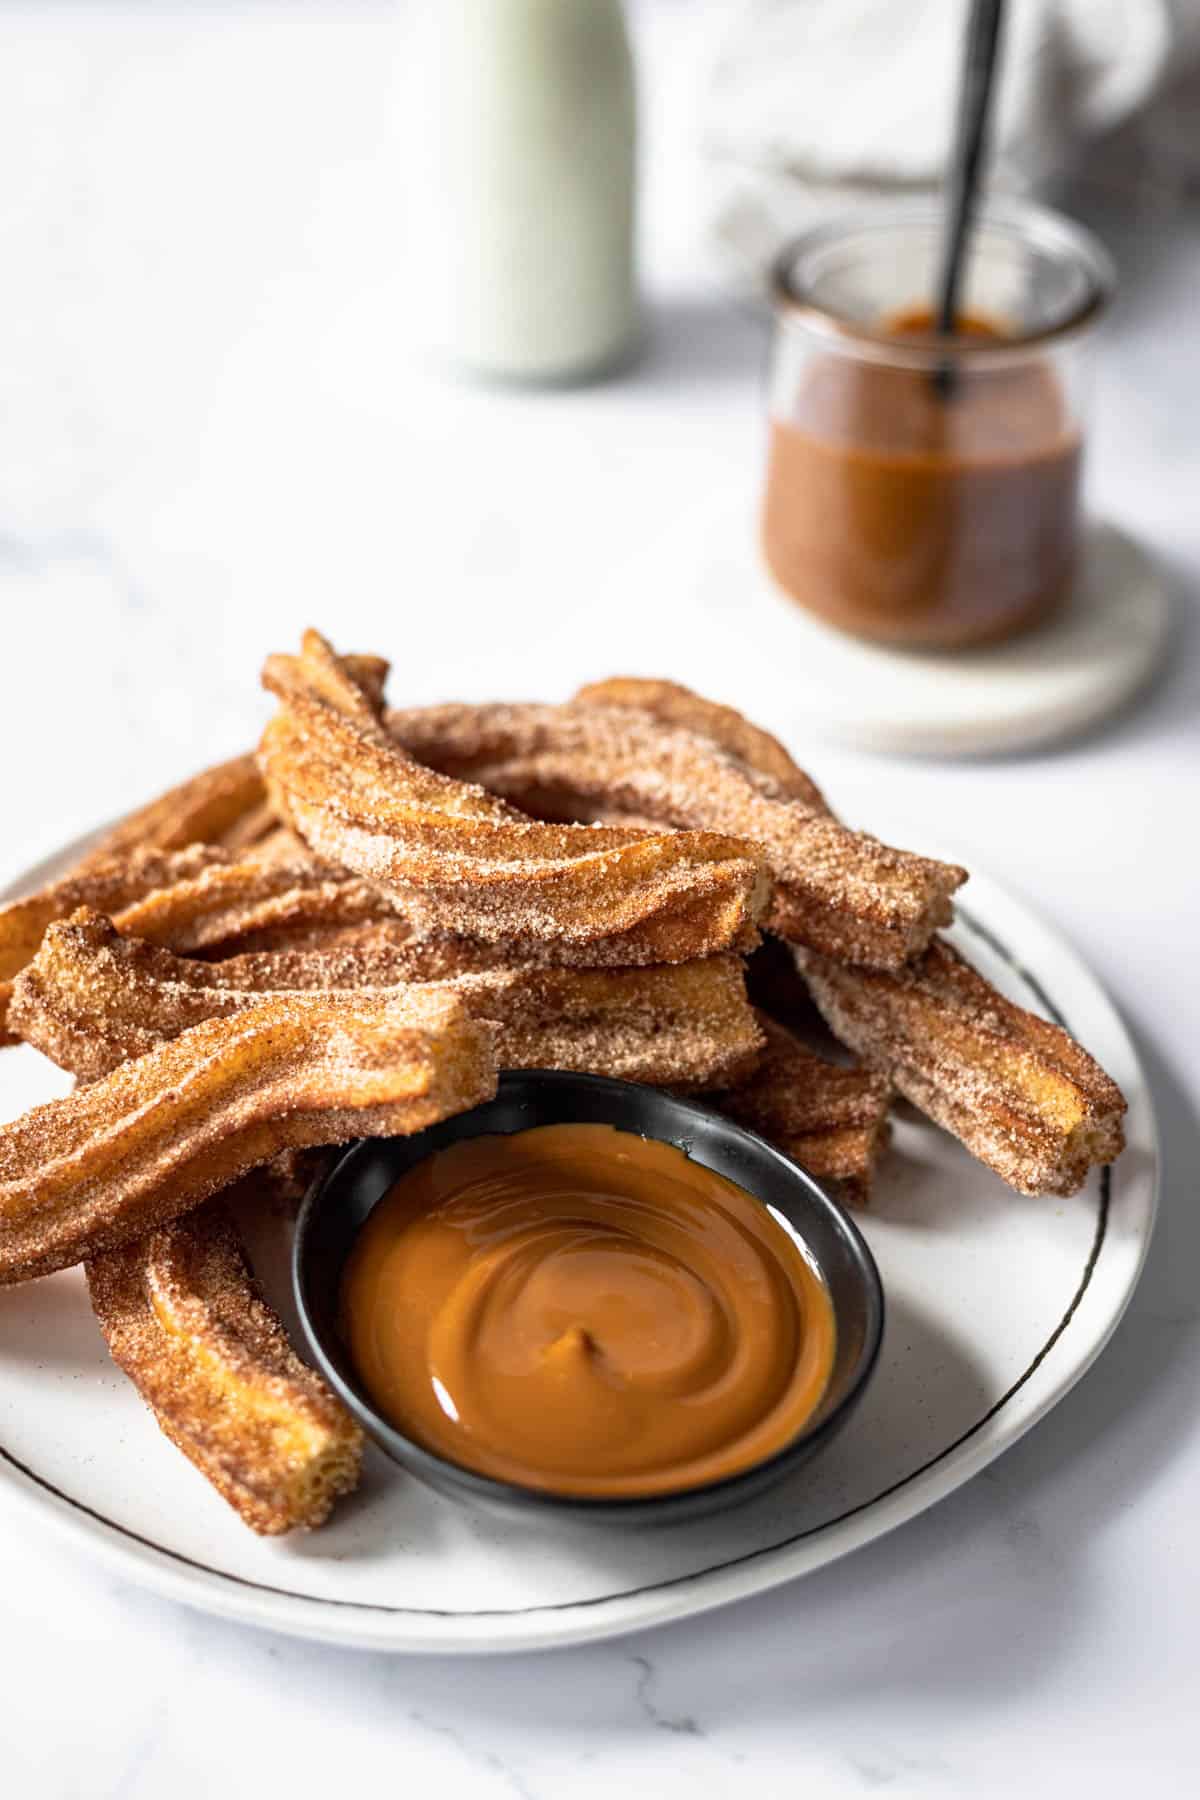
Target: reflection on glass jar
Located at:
point(919, 494)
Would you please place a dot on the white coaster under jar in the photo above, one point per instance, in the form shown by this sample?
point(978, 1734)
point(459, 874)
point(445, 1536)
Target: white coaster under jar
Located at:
point(1064, 676)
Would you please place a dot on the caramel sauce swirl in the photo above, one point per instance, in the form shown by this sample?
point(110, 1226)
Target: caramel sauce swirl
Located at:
point(583, 1310)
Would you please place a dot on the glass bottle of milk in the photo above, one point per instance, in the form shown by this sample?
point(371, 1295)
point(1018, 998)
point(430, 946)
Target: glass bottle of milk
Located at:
point(523, 185)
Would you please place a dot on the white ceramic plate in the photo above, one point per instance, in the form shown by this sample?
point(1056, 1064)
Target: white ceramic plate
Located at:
point(996, 1306)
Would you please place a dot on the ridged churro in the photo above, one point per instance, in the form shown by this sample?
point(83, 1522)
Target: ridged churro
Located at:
point(480, 867)
point(158, 1135)
point(233, 905)
point(295, 902)
point(1017, 1091)
point(92, 999)
point(836, 890)
point(675, 705)
point(830, 1119)
point(110, 884)
point(184, 1318)
point(206, 901)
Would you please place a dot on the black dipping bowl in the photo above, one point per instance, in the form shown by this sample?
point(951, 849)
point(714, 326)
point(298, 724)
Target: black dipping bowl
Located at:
point(337, 1205)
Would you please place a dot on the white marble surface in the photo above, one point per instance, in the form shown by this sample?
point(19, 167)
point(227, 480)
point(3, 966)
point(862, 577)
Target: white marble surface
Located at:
point(211, 432)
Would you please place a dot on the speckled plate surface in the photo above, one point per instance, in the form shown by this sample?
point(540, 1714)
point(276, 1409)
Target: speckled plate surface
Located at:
point(996, 1307)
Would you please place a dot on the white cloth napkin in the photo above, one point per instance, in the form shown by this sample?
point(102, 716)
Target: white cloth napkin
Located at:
point(816, 102)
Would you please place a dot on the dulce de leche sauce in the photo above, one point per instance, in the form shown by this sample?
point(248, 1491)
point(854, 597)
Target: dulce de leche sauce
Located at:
point(924, 512)
point(583, 1310)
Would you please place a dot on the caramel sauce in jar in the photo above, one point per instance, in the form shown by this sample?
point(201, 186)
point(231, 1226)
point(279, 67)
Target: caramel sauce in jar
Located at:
point(582, 1310)
point(919, 511)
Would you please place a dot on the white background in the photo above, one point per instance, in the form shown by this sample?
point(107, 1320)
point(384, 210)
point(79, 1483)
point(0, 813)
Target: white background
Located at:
point(214, 430)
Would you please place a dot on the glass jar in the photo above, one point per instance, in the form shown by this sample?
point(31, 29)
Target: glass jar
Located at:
point(925, 491)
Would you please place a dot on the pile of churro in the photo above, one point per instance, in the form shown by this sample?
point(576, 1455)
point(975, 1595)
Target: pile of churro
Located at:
point(351, 932)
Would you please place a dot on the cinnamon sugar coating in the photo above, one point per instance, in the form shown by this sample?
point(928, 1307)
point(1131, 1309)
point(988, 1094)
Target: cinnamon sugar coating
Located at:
point(108, 883)
point(184, 1318)
point(672, 704)
point(230, 904)
point(1017, 1091)
point(479, 867)
point(836, 890)
point(830, 1119)
point(207, 902)
point(158, 1135)
point(92, 998)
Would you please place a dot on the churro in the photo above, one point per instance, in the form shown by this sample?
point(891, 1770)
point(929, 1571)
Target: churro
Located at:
point(205, 901)
point(294, 902)
point(1017, 1091)
point(830, 1119)
point(110, 884)
point(184, 1318)
point(157, 1135)
point(836, 890)
point(91, 999)
point(672, 704)
point(480, 867)
point(235, 905)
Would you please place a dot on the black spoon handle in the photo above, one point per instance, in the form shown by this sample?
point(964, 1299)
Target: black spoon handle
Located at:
point(970, 135)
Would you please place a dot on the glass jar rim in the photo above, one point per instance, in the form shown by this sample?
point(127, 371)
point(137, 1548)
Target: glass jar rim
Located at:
point(1050, 232)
